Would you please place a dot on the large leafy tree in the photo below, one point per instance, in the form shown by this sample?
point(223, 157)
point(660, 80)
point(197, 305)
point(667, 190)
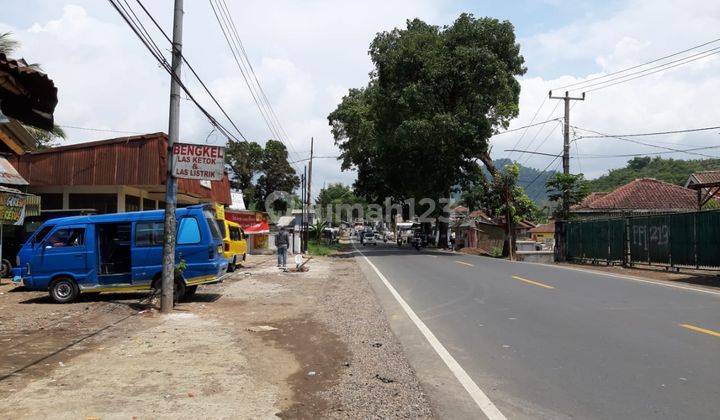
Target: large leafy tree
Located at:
point(435, 97)
point(277, 174)
point(245, 161)
point(339, 202)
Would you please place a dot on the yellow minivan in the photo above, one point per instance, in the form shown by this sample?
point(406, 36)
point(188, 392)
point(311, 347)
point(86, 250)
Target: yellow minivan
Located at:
point(234, 243)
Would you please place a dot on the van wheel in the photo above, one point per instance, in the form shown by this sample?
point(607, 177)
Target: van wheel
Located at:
point(63, 290)
point(244, 256)
point(231, 265)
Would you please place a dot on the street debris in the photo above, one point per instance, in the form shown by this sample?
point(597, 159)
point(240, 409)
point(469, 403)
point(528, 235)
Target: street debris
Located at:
point(384, 379)
point(261, 328)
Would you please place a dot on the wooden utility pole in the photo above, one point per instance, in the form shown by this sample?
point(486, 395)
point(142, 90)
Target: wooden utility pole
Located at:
point(566, 139)
point(168, 269)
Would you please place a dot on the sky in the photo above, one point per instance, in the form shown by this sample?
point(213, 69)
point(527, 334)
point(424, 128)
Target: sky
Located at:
point(308, 54)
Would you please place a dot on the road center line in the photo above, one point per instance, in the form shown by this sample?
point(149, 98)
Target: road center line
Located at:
point(480, 398)
point(534, 283)
point(464, 263)
point(700, 330)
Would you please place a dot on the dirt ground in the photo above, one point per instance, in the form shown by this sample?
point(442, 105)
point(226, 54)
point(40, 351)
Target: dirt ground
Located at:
point(329, 351)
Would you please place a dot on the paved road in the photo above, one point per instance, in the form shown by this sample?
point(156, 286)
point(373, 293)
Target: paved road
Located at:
point(549, 342)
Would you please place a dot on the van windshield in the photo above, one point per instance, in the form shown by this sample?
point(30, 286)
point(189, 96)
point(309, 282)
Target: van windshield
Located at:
point(42, 233)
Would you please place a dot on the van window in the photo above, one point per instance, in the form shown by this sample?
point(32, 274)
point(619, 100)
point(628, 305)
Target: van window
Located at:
point(189, 232)
point(235, 234)
point(149, 233)
point(213, 224)
point(67, 238)
point(42, 234)
point(221, 226)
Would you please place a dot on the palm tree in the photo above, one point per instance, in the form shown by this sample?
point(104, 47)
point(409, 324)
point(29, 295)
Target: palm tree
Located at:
point(44, 138)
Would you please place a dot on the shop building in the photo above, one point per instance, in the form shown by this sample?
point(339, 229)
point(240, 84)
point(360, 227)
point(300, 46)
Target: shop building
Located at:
point(111, 176)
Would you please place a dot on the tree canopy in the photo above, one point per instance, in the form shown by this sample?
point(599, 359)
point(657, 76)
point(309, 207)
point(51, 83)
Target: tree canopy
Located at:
point(259, 171)
point(434, 99)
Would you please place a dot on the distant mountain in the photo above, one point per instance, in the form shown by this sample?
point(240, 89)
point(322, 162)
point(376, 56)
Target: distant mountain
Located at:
point(674, 171)
point(535, 190)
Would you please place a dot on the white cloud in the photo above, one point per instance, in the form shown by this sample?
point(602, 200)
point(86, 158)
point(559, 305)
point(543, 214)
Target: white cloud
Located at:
point(682, 97)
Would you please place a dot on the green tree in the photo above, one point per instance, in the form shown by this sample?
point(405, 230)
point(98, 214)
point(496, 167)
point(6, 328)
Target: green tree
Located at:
point(572, 186)
point(434, 99)
point(342, 202)
point(245, 162)
point(44, 139)
point(277, 175)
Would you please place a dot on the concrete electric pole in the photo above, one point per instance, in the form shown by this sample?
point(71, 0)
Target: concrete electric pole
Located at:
point(168, 271)
point(566, 137)
point(308, 201)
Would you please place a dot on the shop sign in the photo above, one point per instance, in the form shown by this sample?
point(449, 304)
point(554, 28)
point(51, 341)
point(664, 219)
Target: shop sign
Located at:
point(11, 207)
point(198, 161)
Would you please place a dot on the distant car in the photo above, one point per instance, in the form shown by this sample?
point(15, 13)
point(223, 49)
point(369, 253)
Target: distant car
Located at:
point(369, 239)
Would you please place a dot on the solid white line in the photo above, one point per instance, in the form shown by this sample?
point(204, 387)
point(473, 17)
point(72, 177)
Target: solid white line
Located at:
point(480, 398)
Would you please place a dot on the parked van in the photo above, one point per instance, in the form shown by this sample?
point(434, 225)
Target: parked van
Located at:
point(119, 252)
point(234, 243)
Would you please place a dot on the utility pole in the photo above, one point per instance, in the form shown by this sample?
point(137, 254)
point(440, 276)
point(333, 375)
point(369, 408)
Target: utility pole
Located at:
point(309, 176)
point(302, 214)
point(508, 220)
point(168, 270)
point(566, 139)
point(303, 232)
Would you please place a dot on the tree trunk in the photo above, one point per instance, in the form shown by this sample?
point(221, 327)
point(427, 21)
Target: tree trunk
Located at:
point(489, 164)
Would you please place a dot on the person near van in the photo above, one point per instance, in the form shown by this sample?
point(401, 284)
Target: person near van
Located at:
point(281, 242)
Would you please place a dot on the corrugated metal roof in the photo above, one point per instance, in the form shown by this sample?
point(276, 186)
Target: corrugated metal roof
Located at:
point(133, 161)
point(26, 93)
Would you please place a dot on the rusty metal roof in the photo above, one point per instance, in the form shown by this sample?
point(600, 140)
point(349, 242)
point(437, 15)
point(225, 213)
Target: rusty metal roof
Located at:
point(134, 161)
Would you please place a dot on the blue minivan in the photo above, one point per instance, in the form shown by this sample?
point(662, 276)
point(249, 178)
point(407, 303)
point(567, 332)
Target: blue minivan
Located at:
point(119, 252)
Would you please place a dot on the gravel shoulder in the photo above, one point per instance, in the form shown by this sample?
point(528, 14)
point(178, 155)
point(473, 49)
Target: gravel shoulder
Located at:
point(331, 352)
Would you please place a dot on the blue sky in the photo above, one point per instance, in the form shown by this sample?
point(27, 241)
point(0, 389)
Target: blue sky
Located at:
point(308, 54)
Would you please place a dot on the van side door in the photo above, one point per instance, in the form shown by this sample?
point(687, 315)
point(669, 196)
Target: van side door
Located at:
point(66, 250)
point(146, 253)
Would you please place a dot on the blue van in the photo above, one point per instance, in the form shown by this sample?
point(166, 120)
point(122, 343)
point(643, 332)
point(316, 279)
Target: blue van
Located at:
point(119, 252)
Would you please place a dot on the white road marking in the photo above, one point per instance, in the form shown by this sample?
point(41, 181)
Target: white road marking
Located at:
point(480, 398)
point(617, 276)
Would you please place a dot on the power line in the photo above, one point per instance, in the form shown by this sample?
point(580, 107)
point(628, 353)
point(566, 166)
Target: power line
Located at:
point(527, 127)
point(192, 69)
point(643, 143)
point(657, 133)
point(638, 65)
point(544, 171)
point(154, 50)
point(532, 141)
point(603, 85)
point(229, 31)
point(252, 71)
point(100, 129)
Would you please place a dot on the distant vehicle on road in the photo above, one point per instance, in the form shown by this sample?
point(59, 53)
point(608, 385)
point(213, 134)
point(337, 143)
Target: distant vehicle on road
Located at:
point(369, 238)
point(119, 252)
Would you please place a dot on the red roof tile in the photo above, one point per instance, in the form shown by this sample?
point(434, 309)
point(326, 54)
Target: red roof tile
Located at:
point(643, 194)
point(704, 177)
point(546, 228)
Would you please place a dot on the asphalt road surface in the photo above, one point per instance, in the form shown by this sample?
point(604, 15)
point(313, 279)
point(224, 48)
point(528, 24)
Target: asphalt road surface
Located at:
point(549, 342)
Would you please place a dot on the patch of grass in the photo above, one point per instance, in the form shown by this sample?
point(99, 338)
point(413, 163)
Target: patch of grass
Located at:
point(322, 249)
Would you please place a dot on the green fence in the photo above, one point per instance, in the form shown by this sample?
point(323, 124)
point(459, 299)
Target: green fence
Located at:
point(681, 239)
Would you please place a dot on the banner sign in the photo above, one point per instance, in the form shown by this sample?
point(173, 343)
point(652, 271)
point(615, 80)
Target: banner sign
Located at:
point(198, 161)
point(11, 207)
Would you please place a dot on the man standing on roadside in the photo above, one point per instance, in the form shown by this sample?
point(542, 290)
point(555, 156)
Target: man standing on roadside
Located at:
point(281, 242)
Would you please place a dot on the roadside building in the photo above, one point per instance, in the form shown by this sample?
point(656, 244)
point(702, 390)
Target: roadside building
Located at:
point(115, 175)
point(706, 185)
point(544, 234)
point(255, 225)
point(638, 197)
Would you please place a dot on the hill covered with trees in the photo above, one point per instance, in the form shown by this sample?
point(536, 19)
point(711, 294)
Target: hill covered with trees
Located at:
point(675, 171)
